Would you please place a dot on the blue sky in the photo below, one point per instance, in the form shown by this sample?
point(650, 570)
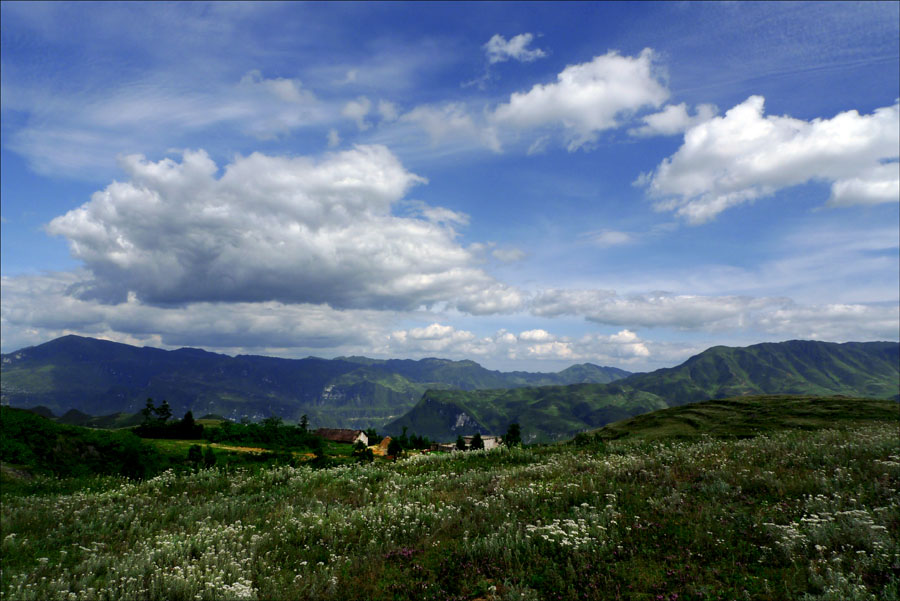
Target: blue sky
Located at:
point(528, 185)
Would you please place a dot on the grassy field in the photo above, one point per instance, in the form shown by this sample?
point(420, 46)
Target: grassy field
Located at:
point(791, 514)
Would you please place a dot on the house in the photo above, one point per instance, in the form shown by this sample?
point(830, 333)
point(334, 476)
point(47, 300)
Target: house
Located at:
point(339, 435)
point(447, 447)
point(381, 449)
point(490, 442)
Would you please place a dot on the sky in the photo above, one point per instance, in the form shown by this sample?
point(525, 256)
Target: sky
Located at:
point(526, 185)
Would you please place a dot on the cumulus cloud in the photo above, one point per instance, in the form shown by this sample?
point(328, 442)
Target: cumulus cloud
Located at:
point(35, 309)
point(498, 49)
point(876, 185)
point(745, 155)
point(624, 347)
point(673, 119)
point(293, 230)
point(357, 111)
point(587, 98)
point(536, 336)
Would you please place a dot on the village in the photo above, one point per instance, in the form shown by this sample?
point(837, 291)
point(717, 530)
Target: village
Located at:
point(382, 447)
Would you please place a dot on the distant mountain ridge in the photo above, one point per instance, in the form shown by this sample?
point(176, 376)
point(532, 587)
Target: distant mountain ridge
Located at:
point(99, 377)
point(796, 367)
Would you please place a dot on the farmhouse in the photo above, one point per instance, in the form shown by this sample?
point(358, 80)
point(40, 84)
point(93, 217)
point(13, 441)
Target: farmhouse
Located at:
point(338, 435)
point(490, 442)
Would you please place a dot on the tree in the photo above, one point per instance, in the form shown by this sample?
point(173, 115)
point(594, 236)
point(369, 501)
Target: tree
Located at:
point(477, 443)
point(148, 411)
point(402, 439)
point(186, 428)
point(460, 443)
point(304, 423)
point(362, 453)
point(513, 436)
point(395, 449)
point(163, 413)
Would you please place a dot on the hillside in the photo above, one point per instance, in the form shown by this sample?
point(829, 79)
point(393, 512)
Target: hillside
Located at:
point(545, 413)
point(867, 369)
point(742, 417)
point(44, 446)
point(99, 377)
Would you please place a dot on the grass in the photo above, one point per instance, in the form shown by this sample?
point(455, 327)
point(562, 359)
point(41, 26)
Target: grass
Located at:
point(742, 417)
point(790, 514)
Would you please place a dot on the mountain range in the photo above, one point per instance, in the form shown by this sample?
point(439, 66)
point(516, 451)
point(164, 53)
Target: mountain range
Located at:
point(438, 398)
point(796, 367)
point(99, 377)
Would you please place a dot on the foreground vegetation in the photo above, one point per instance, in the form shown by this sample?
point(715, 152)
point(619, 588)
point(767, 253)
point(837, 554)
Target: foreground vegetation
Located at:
point(790, 514)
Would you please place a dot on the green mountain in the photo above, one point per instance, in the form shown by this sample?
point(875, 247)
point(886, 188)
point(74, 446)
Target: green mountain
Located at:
point(868, 369)
point(743, 417)
point(98, 377)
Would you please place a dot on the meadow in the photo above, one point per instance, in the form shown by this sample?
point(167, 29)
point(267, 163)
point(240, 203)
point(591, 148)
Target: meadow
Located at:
point(785, 515)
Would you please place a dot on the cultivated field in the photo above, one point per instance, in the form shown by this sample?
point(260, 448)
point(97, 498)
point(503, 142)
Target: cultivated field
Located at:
point(788, 515)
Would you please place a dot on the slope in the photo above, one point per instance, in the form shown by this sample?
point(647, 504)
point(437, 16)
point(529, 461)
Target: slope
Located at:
point(742, 417)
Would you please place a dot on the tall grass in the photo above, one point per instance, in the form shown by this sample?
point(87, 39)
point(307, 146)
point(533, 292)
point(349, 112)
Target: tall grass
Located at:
point(811, 515)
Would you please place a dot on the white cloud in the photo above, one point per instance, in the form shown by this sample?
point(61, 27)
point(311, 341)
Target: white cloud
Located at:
point(587, 98)
point(334, 138)
point(508, 255)
point(629, 344)
point(35, 309)
point(293, 230)
point(357, 111)
point(74, 133)
point(660, 309)
point(609, 238)
point(498, 49)
point(876, 185)
point(835, 322)
point(449, 122)
point(768, 316)
point(536, 336)
point(441, 215)
point(387, 110)
point(623, 348)
point(288, 90)
point(552, 350)
point(673, 119)
point(744, 155)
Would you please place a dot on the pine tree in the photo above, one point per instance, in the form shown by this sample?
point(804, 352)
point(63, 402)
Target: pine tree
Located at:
point(513, 436)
